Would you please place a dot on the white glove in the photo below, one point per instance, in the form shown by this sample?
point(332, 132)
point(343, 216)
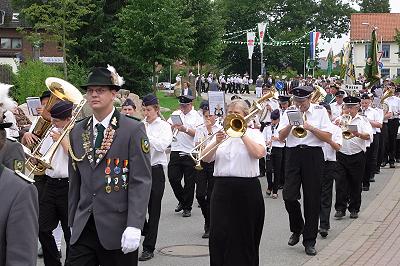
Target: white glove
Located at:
point(130, 239)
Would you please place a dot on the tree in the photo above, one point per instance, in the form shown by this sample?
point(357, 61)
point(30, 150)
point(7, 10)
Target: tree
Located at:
point(57, 20)
point(152, 33)
point(374, 6)
point(208, 25)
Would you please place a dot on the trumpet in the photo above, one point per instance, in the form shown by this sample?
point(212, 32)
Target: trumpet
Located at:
point(300, 131)
point(234, 126)
point(344, 125)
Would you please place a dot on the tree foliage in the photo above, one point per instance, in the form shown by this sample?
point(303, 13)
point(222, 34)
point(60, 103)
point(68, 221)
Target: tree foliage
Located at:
point(153, 32)
point(374, 6)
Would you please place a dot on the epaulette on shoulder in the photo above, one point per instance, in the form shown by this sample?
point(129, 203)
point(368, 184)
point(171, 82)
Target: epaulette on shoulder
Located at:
point(292, 108)
point(12, 139)
point(134, 118)
point(24, 177)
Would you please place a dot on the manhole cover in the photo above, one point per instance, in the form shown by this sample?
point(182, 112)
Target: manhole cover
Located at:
point(185, 251)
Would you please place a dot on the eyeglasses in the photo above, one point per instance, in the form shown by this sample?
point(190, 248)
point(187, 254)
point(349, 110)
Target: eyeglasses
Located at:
point(98, 91)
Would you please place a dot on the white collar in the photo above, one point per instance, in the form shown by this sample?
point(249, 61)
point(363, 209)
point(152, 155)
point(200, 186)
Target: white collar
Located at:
point(154, 122)
point(106, 120)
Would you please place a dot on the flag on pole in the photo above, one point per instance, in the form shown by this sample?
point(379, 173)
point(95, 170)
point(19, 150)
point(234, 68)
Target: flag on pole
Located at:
point(261, 33)
point(250, 43)
point(371, 70)
point(314, 37)
point(330, 62)
point(350, 77)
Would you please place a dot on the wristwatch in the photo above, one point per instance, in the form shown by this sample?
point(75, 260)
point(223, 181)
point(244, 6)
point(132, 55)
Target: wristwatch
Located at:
point(187, 130)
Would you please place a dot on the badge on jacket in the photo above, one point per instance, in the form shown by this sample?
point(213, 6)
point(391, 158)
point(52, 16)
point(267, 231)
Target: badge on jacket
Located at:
point(145, 145)
point(18, 165)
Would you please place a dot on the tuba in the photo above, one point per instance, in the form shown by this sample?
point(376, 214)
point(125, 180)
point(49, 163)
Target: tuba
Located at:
point(63, 91)
point(318, 95)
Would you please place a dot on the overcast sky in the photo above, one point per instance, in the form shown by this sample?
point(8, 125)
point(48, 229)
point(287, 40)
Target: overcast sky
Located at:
point(337, 44)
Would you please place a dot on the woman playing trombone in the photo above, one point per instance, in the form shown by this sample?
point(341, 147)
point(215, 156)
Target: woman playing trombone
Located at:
point(236, 201)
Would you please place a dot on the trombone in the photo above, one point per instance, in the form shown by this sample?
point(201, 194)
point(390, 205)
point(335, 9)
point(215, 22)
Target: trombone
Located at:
point(234, 126)
point(65, 92)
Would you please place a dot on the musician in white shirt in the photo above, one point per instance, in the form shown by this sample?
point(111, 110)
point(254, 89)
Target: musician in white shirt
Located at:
point(337, 106)
point(181, 164)
point(393, 123)
point(160, 137)
point(351, 160)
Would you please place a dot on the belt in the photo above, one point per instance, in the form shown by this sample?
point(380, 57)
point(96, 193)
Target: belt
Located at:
point(302, 146)
point(57, 180)
point(157, 166)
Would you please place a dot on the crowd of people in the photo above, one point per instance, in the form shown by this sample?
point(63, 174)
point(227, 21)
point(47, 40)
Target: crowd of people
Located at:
point(106, 182)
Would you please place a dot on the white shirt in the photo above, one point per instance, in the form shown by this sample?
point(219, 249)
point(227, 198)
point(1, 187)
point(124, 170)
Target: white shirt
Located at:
point(105, 123)
point(233, 159)
point(372, 115)
point(13, 130)
point(184, 142)
point(265, 114)
point(336, 110)
point(329, 152)
point(160, 137)
point(316, 116)
point(355, 144)
point(380, 118)
point(394, 106)
point(267, 132)
point(60, 158)
point(202, 132)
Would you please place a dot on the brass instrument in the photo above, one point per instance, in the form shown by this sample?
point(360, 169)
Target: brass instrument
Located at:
point(196, 155)
point(388, 93)
point(300, 131)
point(234, 126)
point(318, 95)
point(344, 125)
point(64, 91)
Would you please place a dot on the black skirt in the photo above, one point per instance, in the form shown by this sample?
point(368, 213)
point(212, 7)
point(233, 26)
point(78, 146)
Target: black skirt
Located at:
point(236, 221)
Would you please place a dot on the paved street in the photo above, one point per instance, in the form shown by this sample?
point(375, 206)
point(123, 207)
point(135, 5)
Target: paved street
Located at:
point(176, 230)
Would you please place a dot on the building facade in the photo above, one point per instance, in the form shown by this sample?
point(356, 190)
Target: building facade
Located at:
point(360, 35)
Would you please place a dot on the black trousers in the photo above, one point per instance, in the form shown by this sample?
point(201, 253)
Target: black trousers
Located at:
point(182, 167)
point(393, 126)
point(383, 143)
point(277, 166)
point(204, 188)
point(53, 208)
point(304, 167)
point(236, 221)
point(246, 89)
point(88, 251)
point(348, 183)
point(370, 161)
point(330, 174)
point(397, 149)
point(223, 87)
point(150, 229)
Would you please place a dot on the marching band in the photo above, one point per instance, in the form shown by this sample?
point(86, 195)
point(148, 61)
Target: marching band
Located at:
point(106, 179)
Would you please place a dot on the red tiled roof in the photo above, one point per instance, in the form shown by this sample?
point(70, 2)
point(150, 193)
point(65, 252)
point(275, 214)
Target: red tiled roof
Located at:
point(386, 23)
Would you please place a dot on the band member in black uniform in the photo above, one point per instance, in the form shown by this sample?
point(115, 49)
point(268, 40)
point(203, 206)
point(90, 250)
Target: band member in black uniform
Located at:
point(393, 124)
point(204, 176)
point(236, 221)
point(304, 166)
point(160, 137)
point(351, 159)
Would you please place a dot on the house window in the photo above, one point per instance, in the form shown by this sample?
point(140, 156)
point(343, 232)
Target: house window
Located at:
point(398, 72)
point(385, 72)
point(5, 43)
point(11, 43)
point(385, 50)
point(367, 46)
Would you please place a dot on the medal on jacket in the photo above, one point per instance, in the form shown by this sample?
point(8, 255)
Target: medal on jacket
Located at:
point(108, 182)
point(107, 171)
point(124, 184)
point(117, 169)
point(116, 187)
point(125, 169)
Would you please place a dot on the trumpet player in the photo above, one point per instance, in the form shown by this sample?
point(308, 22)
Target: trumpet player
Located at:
point(204, 177)
point(160, 137)
point(351, 160)
point(181, 164)
point(53, 206)
point(304, 167)
point(375, 119)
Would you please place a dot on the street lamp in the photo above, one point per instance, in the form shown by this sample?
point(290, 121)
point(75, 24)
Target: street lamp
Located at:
point(304, 60)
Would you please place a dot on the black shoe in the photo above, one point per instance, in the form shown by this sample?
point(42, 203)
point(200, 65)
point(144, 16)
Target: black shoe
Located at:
point(339, 214)
point(397, 160)
point(186, 213)
point(146, 255)
point(179, 207)
point(280, 187)
point(206, 234)
point(353, 215)
point(310, 251)
point(383, 164)
point(365, 188)
point(372, 179)
point(392, 165)
point(323, 232)
point(294, 239)
point(59, 254)
point(40, 253)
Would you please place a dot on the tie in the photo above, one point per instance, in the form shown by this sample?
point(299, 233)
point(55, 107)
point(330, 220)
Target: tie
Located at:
point(100, 135)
